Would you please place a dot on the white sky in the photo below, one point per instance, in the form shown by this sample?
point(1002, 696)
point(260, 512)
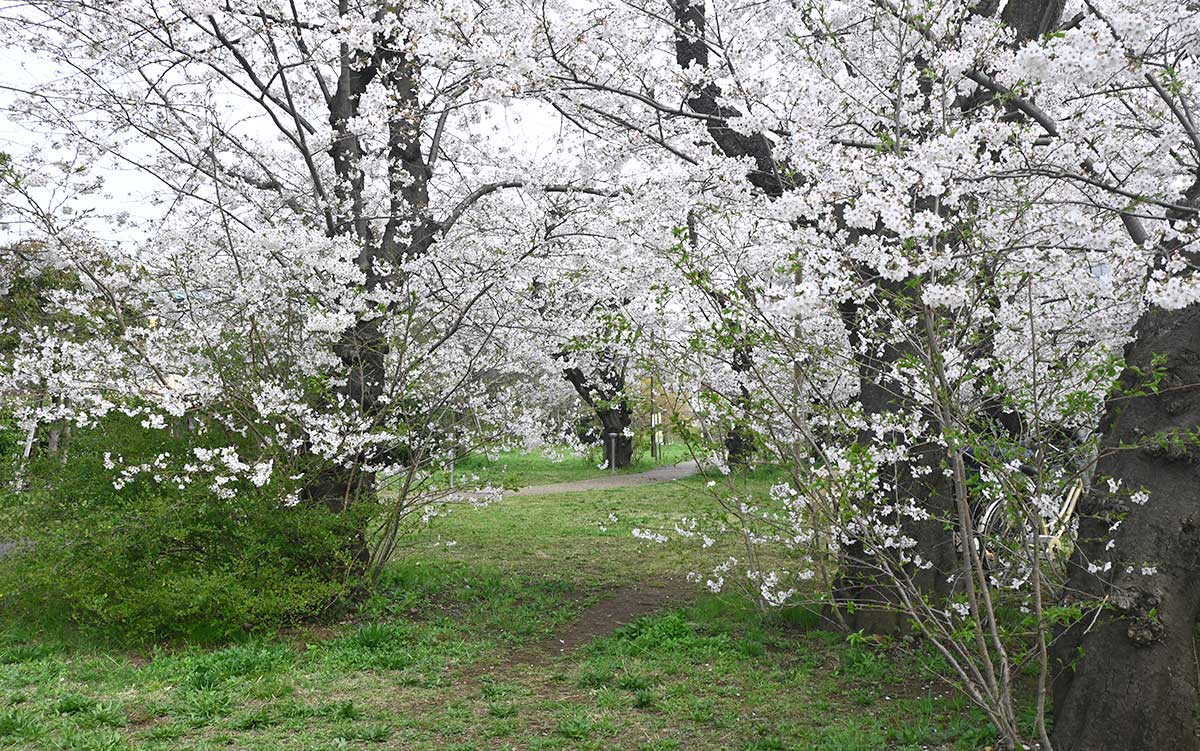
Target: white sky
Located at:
point(527, 128)
point(125, 189)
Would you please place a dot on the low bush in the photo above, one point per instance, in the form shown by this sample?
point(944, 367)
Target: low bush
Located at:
point(10, 436)
point(153, 559)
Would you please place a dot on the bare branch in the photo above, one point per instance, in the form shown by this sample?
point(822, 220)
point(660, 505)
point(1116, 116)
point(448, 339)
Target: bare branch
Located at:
point(483, 190)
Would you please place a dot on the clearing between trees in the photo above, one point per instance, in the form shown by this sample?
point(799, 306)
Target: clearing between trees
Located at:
point(537, 623)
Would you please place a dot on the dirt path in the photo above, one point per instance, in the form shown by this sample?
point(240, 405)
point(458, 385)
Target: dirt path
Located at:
point(620, 608)
point(659, 474)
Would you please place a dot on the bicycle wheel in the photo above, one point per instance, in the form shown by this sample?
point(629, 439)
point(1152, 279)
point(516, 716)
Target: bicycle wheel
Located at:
point(1006, 546)
point(1009, 545)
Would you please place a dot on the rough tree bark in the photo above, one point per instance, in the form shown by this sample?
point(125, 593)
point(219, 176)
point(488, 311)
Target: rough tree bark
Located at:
point(1030, 18)
point(866, 599)
point(934, 545)
point(408, 233)
point(1127, 672)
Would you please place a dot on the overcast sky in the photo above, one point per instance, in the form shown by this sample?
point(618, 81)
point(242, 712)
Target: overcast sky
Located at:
point(527, 128)
point(125, 190)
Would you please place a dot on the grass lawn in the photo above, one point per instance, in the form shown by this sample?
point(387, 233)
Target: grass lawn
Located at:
point(458, 651)
point(515, 469)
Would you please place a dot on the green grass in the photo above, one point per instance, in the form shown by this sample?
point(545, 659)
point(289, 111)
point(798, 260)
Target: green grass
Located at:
point(450, 654)
point(514, 469)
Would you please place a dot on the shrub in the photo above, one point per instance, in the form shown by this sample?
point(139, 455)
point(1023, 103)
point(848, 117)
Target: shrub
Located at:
point(153, 559)
point(10, 436)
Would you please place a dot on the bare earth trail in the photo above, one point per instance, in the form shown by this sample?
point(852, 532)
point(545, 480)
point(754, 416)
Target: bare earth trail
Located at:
point(620, 608)
point(659, 474)
point(626, 604)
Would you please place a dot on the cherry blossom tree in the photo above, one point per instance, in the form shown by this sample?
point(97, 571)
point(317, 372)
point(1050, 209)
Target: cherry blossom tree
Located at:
point(977, 191)
point(331, 264)
point(635, 99)
point(894, 249)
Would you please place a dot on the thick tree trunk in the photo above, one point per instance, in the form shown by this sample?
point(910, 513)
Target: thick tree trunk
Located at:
point(1032, 18)
point(336, 489)
point(618, 445)
point(606, 397)
point(866, 599)
point(1128, 671)
point(408, 233)
point(739, 445)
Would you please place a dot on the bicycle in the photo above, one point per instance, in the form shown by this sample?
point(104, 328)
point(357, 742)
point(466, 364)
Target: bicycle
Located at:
point(1006, 535)
point(1005, 543)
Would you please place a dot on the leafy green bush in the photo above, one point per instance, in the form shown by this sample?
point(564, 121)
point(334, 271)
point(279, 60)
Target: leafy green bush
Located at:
point(155, 559)
point(10, 437)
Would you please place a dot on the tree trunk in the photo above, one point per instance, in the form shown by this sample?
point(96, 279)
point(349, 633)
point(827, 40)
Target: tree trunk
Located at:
point(337, 488)
point(618, 445)
point(1032, 18)
point(739, 445)
point(1128, 671)
point(606, 397)
point(867, 601)
point(408, 233)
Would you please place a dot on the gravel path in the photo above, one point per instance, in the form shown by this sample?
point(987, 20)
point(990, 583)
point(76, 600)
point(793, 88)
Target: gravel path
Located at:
point(659, 474)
